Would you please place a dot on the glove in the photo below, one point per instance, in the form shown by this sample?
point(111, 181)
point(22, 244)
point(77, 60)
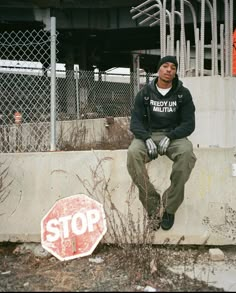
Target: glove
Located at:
point(151, 148)
point(163, 145)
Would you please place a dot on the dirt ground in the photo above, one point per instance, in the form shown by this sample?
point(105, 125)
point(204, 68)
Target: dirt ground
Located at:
point(109, 268)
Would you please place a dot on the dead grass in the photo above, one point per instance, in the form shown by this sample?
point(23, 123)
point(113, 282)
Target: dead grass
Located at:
point(122, 270)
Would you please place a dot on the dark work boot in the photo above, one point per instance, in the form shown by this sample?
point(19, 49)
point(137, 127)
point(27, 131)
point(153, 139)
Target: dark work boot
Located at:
point(167, 221)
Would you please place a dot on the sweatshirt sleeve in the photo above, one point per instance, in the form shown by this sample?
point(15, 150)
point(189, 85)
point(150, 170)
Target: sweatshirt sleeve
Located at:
point(186, 118)
point(137, 126)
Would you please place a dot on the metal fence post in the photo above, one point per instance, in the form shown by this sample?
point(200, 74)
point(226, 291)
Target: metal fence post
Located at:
point(53, 84)
point(77, 92)
point(202, 51)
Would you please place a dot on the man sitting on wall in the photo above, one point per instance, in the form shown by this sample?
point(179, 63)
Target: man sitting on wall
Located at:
point(162, 118)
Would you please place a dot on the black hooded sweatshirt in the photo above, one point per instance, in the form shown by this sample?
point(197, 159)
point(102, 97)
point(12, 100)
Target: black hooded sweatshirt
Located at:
point(173, 113)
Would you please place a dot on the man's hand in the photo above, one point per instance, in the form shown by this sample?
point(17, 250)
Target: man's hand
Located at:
point(163, 145)
point(151, 148)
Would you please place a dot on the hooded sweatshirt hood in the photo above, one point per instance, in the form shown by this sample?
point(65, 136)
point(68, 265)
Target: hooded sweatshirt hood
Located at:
point(176, 84)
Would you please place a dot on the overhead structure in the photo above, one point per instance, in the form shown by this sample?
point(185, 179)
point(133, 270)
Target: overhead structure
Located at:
point(191, 56)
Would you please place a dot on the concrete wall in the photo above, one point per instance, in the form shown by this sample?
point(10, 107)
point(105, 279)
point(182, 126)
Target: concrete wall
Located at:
point(32, 182)
point(215, 101)
point(36, 180)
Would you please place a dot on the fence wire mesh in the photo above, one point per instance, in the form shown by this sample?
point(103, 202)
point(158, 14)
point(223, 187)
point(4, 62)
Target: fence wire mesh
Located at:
point(85, 98)
point(88, 94)
point(25, 89)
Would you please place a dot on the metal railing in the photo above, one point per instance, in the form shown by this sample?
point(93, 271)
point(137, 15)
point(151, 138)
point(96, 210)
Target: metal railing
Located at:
point(154, 12)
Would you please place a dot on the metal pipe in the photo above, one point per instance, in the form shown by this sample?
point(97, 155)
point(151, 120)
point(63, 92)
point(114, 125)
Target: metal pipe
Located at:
point(172, 28)
point(177, 51)
point(197, 53)
point(77, 92)
point(161, 27)
point(150, 17)
point(140, 6)
point(168, 52)
point(215, 35)
point(169, 16)
point(136, 66)
point(144, 11)
point(184, 40)
point(159, 5)
point(164, 26)
point(222, 63)
point(213, 38)
point(154, 23)
point(226, 38)
point(157, 21)
point(202, 35)
point(188, 56)
point(212, 58)
point(194, 17)
point(231, 29)
point(53, 85)
point(182, 34)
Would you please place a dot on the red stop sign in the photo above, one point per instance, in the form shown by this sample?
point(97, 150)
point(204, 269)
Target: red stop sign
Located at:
point(73, 227)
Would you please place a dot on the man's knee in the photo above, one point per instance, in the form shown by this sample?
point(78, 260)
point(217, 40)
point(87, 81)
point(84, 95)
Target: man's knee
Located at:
point(190, 158)
point(187, 160)
point(130, 154)
point(135, 151)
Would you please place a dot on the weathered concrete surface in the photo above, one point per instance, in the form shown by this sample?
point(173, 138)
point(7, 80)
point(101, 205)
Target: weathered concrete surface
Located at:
point(36, 180)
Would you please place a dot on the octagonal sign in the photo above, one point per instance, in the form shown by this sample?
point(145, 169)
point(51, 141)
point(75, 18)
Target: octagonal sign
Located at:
point(73, 227)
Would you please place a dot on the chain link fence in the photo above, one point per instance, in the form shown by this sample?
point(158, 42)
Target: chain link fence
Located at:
point(25, 96)
point(24, 91)
point(88, 94)
point(94, 108)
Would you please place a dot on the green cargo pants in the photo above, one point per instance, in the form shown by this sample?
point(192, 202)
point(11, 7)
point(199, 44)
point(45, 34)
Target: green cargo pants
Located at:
point(180, 151)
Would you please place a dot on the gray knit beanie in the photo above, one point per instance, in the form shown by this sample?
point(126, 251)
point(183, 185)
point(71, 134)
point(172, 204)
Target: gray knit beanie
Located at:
point(168, 58)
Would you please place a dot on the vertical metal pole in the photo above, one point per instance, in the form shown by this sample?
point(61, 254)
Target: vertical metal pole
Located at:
point(188, 57)
point(182, 41)
point(231, 31)
point(168, 52)
point(77, 91)
point(53, 84)
point(177, 51)
point(164, 26)
point(202, 36)
point(222, 60)
point(215, 33)
point(194, 25)
point(226, 38)
point(213, 43)
point(212, 59)
point(172, 27)
point(197, 52)
point(194, 18)
point(199, 56)
point(162, 36)
point(136, 73)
